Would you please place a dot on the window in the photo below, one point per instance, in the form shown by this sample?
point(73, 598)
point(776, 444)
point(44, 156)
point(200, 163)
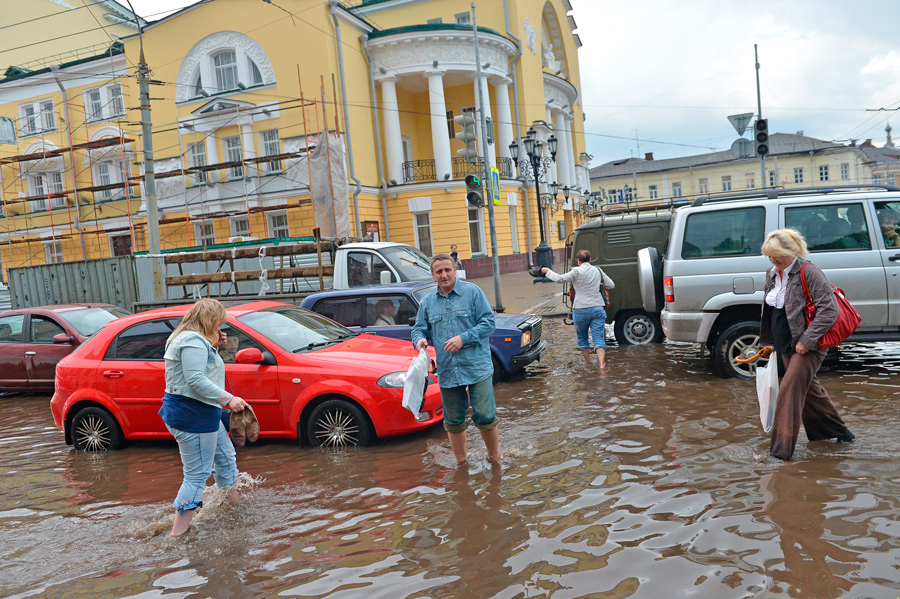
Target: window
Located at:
point(750, 180)
point(823, 172)
point(676, 190)
point(7, 130)
point(726, 183)
point(144, 341)
point(451, 124)
point(271, 146)
point(120, 245)
point(225, 66)
point(798, 175)
point(48, 119)
point(463, 18)
point(888, 218)
point(44, 329)
point(346, 310)
point(256, 77)
point(197, 157)
point(94, 105)
point(773, 179)
point(109, 173)
point(892, 179)
point(737, 232)
point(845, 171)
point(29, 120)
point(561, 228)
point(117, 106)
point(205, 233)
point(11, 328)
point(38, 188)
point(830, 226)
point(653, 192)
point(233, 154)
point(54, 251)
point(240, 226)
point(236, 341)
point(365, 268)
point(436, 21)
point(51, 183)
point(103, 178)
point(876, 179)
point(703, 185)
point(389, 310)
point(278, 224)
point(514, 229)
point(423, 232)
point(476, 234)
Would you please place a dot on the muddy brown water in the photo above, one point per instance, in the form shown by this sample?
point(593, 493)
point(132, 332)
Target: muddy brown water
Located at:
point(651, 481)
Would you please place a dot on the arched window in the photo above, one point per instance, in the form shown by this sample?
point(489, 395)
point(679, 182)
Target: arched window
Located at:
point(226, 70)
point(224, 62)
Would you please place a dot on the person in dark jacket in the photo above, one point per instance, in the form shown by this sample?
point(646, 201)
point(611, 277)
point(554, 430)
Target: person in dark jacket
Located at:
point(801, 398)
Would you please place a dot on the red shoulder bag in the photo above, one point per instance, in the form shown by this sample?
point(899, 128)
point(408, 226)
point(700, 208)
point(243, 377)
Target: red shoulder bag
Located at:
point(847, 321)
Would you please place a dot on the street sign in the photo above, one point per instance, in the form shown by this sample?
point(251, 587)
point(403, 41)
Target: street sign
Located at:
point(740, 121)
point(495, 185)
point(742, 148)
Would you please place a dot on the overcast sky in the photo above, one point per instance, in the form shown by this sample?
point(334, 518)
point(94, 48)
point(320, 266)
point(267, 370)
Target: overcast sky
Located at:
point(662, 76)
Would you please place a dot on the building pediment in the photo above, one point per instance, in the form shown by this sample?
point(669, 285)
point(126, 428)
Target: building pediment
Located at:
point(214, 107)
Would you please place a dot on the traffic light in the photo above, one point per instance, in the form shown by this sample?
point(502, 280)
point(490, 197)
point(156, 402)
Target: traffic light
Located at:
point(762, 137)
point(470, 152)
point(474, 191)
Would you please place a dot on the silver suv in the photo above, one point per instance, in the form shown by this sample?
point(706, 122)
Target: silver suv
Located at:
point(709, 284)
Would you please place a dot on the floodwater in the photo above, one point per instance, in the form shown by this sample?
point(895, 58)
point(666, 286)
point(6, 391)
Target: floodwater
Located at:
point(651, 481)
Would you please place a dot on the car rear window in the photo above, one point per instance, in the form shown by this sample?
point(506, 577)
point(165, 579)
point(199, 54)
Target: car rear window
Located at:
point(88, 321)
point(736, 232)
point(829, 227)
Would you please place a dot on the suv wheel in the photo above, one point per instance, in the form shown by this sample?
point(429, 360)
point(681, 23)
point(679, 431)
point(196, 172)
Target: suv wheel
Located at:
point(637, 327)
point(740, 340)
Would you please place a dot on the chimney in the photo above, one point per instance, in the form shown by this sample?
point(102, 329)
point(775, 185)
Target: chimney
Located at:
point(648, 156)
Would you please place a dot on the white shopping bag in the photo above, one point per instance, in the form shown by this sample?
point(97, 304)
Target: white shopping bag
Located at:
point(767, 390)
point(414, 386)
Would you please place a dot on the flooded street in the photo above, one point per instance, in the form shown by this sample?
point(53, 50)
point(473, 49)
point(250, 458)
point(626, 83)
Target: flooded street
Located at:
point(650, 481)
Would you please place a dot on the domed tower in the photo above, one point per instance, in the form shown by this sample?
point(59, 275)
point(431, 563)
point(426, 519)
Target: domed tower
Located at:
point(889, 143)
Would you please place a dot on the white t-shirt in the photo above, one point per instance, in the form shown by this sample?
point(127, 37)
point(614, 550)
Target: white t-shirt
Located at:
point(775, 297)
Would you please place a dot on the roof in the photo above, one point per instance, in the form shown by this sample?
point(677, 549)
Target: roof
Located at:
point(429, 27)
point(13, 72)
point(881, 154)
point(779, 144)
point(371, 289)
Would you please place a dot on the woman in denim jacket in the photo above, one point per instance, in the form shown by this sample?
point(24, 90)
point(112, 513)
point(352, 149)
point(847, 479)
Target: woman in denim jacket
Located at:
point(801, 398)
point(192, 407)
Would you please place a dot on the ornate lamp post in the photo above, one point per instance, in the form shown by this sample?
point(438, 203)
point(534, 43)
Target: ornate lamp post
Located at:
point(540, 164)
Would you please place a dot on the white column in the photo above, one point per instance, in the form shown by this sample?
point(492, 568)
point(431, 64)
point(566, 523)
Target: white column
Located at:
point(249, 148)
point(440, 135)
point(212, 156)
point(505, 135)
point(393, 139)
point(483, 84)
point(564, 149)
point(570, 148)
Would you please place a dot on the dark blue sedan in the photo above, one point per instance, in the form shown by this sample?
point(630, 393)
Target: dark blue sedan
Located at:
point(390, 310)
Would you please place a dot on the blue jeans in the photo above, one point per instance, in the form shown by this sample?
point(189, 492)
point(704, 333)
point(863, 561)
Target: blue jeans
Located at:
point(203, 454)
point(457, 399)
point(593, 318)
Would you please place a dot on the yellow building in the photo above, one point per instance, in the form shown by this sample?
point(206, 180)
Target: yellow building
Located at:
point(794, 161)
point(241, 94)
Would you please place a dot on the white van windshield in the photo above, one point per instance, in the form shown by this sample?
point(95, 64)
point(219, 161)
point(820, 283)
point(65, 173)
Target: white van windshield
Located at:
point(412, 264)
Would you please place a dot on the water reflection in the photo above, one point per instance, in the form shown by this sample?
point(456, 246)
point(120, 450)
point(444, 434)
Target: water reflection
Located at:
point(651, 478)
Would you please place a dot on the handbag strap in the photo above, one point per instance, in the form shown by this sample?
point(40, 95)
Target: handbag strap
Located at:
point(803, 281)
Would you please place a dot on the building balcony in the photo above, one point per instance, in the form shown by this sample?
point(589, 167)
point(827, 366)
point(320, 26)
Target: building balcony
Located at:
point(417, 171)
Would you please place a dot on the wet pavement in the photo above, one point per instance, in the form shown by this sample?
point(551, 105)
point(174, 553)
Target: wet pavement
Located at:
point(648, 481)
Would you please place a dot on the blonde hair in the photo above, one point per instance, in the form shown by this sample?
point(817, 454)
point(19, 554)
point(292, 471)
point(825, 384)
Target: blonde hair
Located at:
point(785, 242)
point(204, 317)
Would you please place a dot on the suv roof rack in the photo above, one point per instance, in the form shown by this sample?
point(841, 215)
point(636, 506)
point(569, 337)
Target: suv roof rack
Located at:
point(667, 204)
point(774, 193)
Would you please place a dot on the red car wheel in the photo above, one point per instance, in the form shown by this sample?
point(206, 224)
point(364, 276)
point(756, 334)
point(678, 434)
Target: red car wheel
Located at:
point(94, 429)
point(338, 423)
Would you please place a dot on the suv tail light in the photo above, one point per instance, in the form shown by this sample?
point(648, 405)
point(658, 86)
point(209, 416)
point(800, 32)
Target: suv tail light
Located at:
point(669, 289)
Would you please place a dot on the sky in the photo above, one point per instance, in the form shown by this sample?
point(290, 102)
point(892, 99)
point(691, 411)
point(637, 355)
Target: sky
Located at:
point(662, 76)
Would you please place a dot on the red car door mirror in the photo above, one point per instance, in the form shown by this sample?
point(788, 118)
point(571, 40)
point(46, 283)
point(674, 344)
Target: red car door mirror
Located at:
point(251, 355)
point(63, 338)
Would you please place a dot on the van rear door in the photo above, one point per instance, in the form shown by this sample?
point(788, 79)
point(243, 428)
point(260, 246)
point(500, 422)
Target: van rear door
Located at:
point(890, 257)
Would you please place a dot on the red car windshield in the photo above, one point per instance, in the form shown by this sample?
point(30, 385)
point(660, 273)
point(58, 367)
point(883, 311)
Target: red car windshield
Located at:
point(88, 321)
point(294, 329)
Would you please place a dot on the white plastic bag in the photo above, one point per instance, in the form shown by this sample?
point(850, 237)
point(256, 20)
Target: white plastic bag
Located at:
point(767, 390)
point(414, 385)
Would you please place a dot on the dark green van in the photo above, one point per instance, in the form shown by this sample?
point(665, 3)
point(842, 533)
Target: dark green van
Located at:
point(613, 241)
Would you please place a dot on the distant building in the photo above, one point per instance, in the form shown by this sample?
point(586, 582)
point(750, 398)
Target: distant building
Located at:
point(795, 160)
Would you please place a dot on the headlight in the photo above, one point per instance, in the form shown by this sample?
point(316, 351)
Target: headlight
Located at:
point(394, 380)
point(526, 338)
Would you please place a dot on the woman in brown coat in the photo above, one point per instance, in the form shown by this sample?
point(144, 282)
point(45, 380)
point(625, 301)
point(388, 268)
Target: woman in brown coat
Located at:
point(801, 398)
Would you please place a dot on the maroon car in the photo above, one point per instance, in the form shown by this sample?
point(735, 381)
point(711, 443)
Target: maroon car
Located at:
point(33, 340)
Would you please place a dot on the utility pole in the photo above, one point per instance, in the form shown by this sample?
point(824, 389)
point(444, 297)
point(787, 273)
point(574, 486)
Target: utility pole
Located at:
point(486, 172)
point(762, 158)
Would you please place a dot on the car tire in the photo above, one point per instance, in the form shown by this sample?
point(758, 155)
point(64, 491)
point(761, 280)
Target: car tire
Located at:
point(94, 429)
point(499, 372)
point(637, 327)
point(338, 423)
point(739, 340)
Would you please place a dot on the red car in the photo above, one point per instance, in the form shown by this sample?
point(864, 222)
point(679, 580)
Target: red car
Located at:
point(306, 376)
point(33, 340)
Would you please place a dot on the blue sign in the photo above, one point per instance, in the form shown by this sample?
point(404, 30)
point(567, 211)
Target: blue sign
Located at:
point(495, 185)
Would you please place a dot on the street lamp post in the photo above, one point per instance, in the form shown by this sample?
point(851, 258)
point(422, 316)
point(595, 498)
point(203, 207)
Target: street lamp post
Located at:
point(534, 149)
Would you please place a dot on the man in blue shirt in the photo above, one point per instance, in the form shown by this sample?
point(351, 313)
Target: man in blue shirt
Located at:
point(457, 318)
